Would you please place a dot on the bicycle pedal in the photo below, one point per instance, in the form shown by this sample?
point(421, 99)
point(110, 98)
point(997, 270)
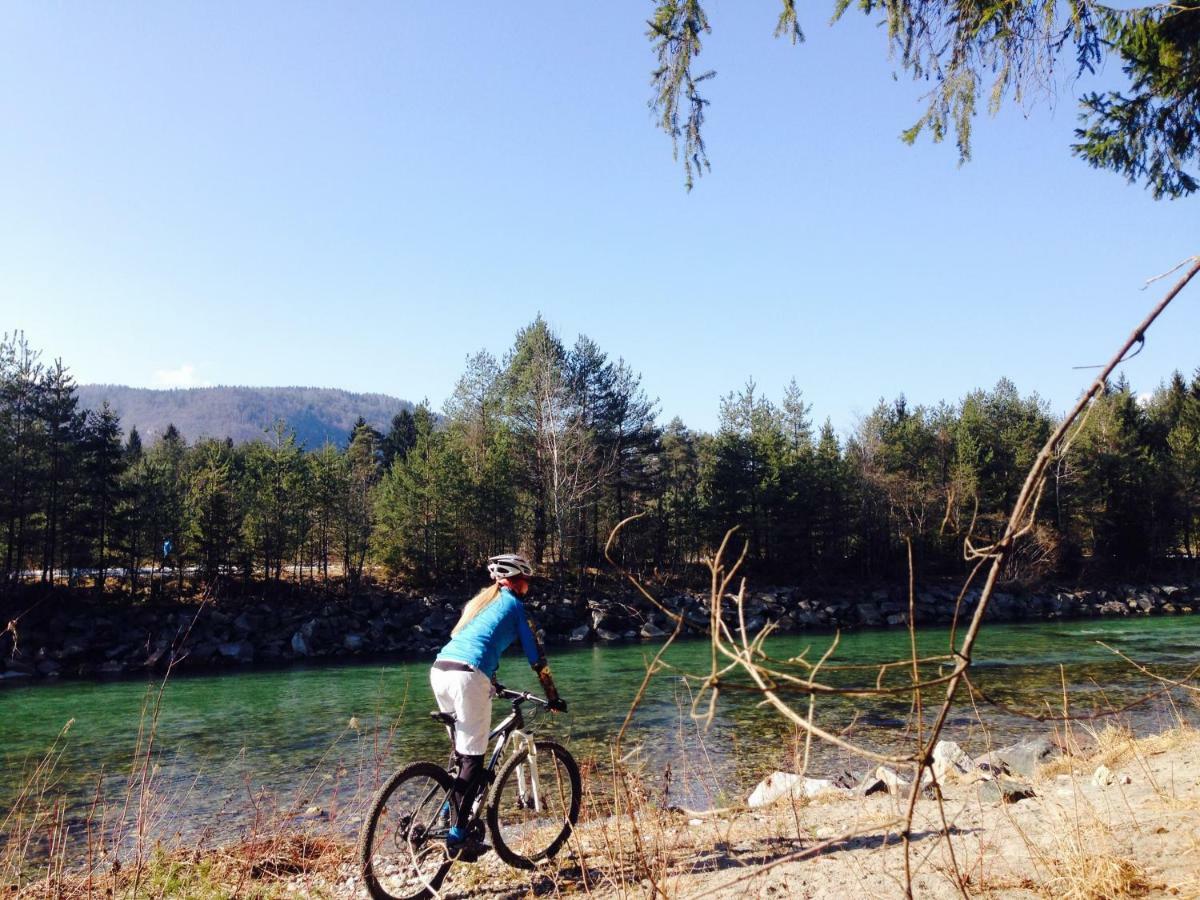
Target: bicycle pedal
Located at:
point(467, 852)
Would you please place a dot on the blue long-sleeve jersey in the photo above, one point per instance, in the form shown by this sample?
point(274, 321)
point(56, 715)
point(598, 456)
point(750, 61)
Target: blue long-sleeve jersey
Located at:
point(490, 633)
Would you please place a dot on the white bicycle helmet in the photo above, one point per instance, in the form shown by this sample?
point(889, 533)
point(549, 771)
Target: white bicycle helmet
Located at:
point(506, 565)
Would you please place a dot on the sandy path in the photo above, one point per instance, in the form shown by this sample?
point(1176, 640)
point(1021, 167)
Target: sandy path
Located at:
point(1138, 836)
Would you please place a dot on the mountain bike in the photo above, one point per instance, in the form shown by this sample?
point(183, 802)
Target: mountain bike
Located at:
point(530, 803)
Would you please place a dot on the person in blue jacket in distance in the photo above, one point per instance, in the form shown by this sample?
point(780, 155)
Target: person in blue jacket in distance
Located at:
point(462, 676)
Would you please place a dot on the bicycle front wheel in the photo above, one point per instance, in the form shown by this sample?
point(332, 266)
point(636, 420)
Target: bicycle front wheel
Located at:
point(402, 847)
point(534, 804)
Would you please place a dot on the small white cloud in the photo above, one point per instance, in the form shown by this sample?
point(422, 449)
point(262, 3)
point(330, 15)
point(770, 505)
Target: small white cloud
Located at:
point(1144, 398)
point(183, 377)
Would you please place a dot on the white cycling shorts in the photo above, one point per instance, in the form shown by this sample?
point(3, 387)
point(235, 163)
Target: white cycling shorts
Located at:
point(468, 695)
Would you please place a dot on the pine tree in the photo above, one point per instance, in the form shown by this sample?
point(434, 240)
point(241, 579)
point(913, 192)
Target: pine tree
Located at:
point(63, 426)
point(22, 460)
point(213, 515)
point(103, 465)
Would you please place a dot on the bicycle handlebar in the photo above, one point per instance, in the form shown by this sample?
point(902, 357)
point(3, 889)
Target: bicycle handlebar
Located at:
point(518, 696)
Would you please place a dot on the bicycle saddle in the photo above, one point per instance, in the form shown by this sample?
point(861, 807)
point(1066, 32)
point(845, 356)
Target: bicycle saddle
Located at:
point(443, 717)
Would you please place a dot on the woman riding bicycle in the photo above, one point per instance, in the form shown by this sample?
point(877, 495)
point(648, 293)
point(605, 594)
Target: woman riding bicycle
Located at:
point(462, 674)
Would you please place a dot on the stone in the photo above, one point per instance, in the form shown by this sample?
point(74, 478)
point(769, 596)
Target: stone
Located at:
point(1023, 758)
point(48, 667)
point(882, 779)
point(652, 631)
point(1004, 790)
point(582, 633)
point(1103, 777)
point(869, 614)
point(242, 651)
point(300, 644)
point(20, 666)
point(779, 785)
point(353, 642)
point(950, 759)
point(605, 635)
point(201, 653)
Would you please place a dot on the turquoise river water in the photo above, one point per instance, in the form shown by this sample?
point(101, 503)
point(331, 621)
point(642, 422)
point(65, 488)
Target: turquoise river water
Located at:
point(230, 748)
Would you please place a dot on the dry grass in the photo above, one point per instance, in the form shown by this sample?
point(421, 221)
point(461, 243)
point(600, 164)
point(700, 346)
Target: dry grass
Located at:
point(1084, 864)
point(261, 869)
point(1114, 744)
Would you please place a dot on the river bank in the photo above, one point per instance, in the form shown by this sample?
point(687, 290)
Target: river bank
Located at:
point(1120, 817)
point(56, 632)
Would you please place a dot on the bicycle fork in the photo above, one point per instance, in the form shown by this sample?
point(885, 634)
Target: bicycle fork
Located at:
point(527, 775)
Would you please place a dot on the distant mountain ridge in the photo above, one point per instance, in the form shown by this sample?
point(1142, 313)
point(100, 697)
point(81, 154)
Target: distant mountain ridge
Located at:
point(316, 414)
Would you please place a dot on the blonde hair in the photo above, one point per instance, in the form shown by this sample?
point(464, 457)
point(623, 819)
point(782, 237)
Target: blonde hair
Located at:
point(476, 605)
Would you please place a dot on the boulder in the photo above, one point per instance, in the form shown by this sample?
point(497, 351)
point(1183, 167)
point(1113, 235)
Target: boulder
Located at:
point(242, 651)
point(1103, 777)
point(1023, 758)
point(353, 642)
point(1004, 790)
point(300, 644)
point(779, 785)
point(949, 759)
point(882, 779)
point(202, 652)
point(582, 633)
point(75, 647)
point(652, 631)
point(869, 614)
point(19, 666)
point(605, 635)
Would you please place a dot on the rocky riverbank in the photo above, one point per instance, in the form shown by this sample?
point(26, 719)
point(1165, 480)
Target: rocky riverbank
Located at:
point(1115, 818)
point(56, 632)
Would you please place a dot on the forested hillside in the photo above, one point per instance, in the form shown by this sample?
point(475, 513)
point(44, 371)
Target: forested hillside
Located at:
point(546, 448)
point(315, 415)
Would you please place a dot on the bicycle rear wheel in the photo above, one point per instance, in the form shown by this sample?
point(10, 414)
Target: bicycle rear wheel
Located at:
point(534, 804)
point(402, 847)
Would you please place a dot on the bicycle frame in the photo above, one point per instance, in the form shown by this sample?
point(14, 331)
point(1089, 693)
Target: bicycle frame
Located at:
point(511, 729)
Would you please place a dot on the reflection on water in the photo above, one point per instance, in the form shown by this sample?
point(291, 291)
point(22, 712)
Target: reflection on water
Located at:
point(224, 742)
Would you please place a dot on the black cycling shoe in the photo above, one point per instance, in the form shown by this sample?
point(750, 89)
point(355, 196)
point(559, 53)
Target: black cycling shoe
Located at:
point(467, 850)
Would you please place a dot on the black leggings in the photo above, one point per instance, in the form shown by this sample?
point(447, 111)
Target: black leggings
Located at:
point(466, 785)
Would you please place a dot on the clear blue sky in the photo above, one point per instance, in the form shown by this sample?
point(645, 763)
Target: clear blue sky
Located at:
point(359, 195)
